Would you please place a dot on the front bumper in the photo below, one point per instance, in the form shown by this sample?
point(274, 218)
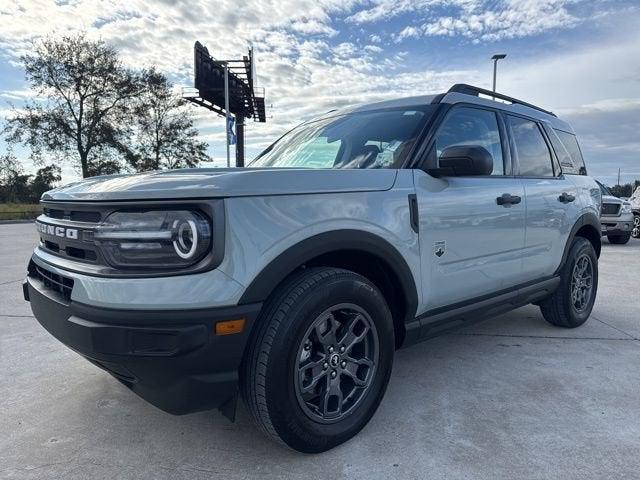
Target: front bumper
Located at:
point(620, 225)
point(172, 358)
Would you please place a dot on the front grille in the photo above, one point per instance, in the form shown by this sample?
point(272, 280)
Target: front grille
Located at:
point(52, 281)
point(73, 215)
point(610, 208)
point(81, 218)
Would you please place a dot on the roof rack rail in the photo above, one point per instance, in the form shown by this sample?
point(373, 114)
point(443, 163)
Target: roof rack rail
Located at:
point(476, 91)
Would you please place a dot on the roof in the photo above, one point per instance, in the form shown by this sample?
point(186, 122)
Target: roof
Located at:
point(461, 93)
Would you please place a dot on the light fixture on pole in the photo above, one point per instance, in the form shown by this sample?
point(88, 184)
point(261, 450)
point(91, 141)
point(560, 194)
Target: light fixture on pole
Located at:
point(495, 58)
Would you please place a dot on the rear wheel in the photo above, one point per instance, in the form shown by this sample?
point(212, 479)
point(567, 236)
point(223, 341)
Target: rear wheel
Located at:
point(619, 239)
point(635, 233)
point(571, 304)
point(319, 364)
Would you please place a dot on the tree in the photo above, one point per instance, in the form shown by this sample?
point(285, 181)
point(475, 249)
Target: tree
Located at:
point(14, 184)
point(164, 135)
point(83, 102)
point(45, 179)
point(622, 190)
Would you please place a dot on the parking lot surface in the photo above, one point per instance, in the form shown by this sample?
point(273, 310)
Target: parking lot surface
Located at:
point(512, 397)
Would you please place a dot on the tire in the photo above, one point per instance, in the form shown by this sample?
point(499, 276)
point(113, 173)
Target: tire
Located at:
point(287, 356)
point(619, 239)
point(635, 233)
point(562, 309)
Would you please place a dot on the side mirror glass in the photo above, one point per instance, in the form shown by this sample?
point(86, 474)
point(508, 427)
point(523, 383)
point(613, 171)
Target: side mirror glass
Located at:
point(465, 160)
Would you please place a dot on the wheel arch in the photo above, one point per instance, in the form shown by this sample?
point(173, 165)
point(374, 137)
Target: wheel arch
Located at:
point(362, 252)
point(587, 226)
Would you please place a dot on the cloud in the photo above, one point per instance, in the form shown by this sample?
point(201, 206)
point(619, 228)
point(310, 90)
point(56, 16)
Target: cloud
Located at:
point(313, 27)
point(477, 20)
point(608, 133)
point(512, 19)
point(317, 55)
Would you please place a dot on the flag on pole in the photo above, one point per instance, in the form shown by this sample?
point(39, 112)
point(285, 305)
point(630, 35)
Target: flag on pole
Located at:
point(231, 134)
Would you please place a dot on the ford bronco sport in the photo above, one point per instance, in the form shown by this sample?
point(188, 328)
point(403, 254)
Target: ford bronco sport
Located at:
point(293, 281)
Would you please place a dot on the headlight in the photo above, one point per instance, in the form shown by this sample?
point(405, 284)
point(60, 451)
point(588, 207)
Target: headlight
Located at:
point(626, 208)
point(154, 238)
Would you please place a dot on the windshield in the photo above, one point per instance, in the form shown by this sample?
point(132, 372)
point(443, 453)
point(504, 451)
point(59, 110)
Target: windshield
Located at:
point(375, 139)
point(604, 189)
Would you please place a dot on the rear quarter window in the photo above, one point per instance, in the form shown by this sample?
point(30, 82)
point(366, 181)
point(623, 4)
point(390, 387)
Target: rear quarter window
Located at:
point(566, 146)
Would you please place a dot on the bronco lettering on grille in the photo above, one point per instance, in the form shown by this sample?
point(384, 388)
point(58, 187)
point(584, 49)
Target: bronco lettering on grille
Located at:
point(63, 232)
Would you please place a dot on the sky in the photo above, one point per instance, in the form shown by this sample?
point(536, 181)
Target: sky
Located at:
point(578, 58)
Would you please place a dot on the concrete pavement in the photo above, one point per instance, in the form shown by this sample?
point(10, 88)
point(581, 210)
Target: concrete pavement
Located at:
point(512, 397)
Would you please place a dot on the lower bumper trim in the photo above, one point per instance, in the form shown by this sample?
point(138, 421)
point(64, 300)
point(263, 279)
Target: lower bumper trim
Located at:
point(172, 359)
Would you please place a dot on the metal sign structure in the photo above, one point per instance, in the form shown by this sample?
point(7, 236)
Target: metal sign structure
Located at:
point(227, 87)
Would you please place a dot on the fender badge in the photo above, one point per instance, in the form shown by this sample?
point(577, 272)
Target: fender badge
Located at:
point(439, 248)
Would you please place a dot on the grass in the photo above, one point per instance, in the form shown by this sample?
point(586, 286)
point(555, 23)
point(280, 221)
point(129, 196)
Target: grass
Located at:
point(19, 211)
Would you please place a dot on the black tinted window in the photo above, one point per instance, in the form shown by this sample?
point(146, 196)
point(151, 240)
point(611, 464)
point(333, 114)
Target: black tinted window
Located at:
point(568, 152)
point(532, 152)
point(472, 126)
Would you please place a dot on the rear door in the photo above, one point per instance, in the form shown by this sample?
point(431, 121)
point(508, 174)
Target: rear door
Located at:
point(550, 203)
point(470, 244)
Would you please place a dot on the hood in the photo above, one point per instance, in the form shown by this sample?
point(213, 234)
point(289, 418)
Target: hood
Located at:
point(223, 182)
point(611, 199)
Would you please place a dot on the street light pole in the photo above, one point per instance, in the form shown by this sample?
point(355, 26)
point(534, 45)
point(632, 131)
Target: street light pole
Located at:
point(495, 58)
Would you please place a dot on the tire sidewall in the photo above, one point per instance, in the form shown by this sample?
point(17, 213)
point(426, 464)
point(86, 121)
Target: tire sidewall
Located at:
point(291, 423)
point(580, 247)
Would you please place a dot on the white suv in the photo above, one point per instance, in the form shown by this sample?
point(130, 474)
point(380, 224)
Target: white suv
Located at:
point(293, 281)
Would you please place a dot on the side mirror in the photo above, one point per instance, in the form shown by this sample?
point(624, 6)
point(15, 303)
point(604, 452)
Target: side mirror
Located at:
point(465, 160)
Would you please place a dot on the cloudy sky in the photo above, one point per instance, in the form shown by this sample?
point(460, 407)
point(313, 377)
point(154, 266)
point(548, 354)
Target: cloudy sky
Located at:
point(578, 58)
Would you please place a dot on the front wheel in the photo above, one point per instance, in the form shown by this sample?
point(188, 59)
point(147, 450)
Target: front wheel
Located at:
point(571, 304)
point(635, 233)
point(619, 239)
point(320, 362)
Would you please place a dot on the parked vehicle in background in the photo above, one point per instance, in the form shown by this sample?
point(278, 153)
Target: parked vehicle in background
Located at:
point(635, 208)
point(292, 282)
point(616, 218)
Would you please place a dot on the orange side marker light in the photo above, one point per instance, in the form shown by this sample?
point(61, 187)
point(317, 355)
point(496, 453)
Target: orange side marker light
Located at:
point(229, 327)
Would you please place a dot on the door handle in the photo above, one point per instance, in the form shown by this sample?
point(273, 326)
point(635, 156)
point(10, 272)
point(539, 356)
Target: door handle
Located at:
point(566, 197)
point(508, 199)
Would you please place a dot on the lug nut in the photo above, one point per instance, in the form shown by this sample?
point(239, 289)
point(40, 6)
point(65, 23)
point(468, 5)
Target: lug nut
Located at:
point(325, 365)
point(333, 374)
point(342, 349)
point(343, 364)
point(330, 349)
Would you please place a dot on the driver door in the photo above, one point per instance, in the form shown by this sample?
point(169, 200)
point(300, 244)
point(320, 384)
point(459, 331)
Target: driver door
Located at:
point(470, 244)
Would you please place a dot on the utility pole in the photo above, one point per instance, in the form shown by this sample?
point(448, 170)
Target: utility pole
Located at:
point(226, 110)
point(495, 58)
point(618, 176)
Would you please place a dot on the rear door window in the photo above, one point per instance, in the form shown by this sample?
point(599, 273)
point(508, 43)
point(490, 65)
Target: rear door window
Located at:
point(531, 150)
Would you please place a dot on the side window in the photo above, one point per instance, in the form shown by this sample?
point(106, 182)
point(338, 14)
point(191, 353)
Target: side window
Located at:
point(571, 157)
point(472, 126)
point(531, 149)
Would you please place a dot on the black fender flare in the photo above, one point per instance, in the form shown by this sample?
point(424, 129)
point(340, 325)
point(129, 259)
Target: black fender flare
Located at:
point(328, 242)
point(586, 219)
